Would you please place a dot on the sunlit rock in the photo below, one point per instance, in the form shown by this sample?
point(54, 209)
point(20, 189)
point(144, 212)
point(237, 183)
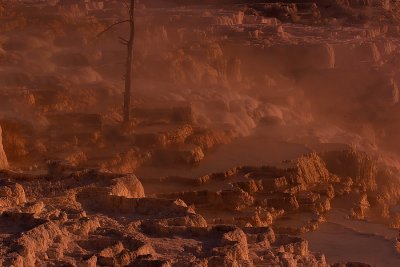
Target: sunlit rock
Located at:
point(3, 157)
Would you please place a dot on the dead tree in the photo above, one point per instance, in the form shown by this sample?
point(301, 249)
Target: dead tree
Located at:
point(129, 43)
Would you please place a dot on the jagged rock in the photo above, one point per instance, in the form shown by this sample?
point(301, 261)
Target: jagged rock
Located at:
point(283, 201)
point(34, 207)
point(251, 186)
point(261, 234)
point(233, 247)
point(309, 201)
point(360, 208)
point(238, 239)
point(344, 187)
point(262, 217)
point(37, 241)
point(84, 226)
point(11, 194)
point(325, 190)
point(311, 169)
point(293, 245)
point(235, 199)
point(361, 167)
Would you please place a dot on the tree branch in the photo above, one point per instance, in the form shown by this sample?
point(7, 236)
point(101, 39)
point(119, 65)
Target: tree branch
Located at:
point(112, 25)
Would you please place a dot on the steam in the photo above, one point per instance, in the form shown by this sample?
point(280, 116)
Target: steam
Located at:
point(311, 86)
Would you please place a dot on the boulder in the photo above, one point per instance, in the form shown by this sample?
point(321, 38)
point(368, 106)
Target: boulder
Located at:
point(11, 194)
point(190, 154)
point(127, 186)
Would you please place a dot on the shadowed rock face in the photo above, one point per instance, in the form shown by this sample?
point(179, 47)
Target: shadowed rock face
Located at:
point(3, 157)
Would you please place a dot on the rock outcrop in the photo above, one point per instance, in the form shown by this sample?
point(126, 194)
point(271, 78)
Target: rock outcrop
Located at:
point(3, 157)
point(90, 218)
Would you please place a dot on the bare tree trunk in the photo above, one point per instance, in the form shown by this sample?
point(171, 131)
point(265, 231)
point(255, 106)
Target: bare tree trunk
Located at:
point(129, 64)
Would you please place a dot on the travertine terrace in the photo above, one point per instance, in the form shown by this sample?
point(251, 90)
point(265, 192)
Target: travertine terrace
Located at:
point(262, 133)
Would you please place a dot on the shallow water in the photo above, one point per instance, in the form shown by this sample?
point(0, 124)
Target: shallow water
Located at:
point(343, 240)
point(254, 150)
point(341, 244)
